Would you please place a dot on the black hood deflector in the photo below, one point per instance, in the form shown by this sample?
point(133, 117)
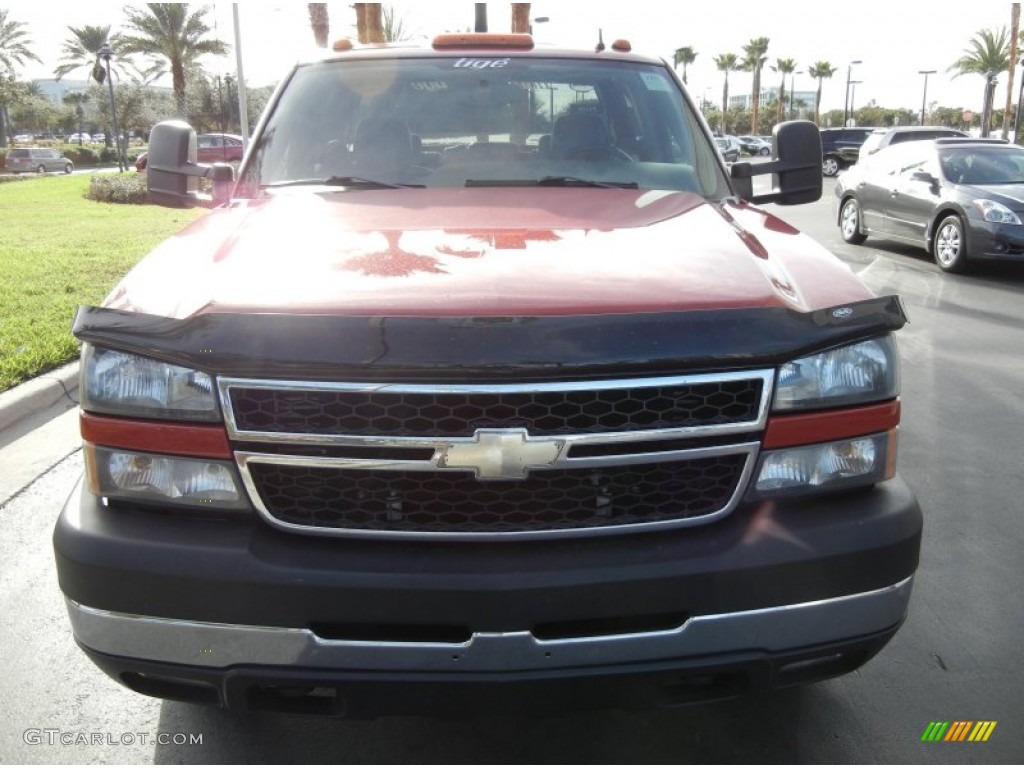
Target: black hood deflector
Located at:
point(336, 347)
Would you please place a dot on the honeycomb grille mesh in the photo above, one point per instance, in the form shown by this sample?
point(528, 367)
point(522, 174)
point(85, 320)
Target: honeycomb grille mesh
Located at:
point(454, 502)
point(447, 414)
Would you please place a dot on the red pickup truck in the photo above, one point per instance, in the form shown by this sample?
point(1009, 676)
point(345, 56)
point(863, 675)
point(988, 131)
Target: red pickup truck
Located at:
point(486, 385)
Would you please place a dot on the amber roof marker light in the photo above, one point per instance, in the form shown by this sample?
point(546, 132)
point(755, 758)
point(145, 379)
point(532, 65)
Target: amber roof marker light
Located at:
point(483, 40)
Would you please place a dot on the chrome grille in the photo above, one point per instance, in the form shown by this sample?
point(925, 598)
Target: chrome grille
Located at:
point(412, 413)
point(479, 461)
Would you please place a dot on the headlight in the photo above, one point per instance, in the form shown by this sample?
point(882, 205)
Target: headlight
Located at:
point(859, 373)
point(834, 466)
point(131, 385)
point(995, 212)
point(121, 474)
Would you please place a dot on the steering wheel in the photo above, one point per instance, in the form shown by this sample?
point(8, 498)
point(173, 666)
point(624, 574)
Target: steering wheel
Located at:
point(599, 152)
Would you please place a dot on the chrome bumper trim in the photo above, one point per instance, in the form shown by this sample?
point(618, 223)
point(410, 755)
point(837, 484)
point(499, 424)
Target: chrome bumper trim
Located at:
point(777, 629)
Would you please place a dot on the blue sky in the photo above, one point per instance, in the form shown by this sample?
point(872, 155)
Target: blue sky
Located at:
point(893, 39)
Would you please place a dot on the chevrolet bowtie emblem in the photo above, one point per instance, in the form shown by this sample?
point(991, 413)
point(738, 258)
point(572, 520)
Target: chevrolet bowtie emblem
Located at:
point(502, 454)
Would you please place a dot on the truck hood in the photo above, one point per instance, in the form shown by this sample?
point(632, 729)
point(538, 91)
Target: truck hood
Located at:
point(501, 252)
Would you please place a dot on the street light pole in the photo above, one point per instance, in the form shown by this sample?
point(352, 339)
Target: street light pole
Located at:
point(924, 96)
point(853, 94)
point(106, 54)
point(846, 102)
point(792, 79)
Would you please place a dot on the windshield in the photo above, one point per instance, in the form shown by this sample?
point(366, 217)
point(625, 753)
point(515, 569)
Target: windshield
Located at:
point(457, 122)
point(999, 164)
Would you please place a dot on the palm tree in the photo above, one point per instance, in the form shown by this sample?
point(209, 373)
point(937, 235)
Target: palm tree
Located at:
point(320, 22)
point(987, 55)
point(755, 54)
point(14, 50)
point(783, 67)
point(685, 56)
point(81, 48)
point(726, 62)
point(821, 71)
point(76, 99)
point(168, 31)
point(14, 44)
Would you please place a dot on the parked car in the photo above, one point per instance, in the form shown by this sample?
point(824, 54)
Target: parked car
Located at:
point(79, 138)
point(880, 138)
point(754, 145)
point(959, 199)
point(431, 418)
point(99, 138)
point(210, 148)
point(36, 160)
point(840, 148)
point(729, 147)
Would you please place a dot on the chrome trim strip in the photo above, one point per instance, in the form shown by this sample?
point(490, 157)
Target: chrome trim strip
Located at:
point(245, 459)
point(777, 629)
point(224, 386)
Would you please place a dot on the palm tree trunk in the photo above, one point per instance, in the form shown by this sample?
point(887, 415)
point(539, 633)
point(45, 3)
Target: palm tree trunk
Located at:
point(178, 85)
point(520, 17)
point(320, 22)
point(374, 23)
point(361, 22)
point(817, 103)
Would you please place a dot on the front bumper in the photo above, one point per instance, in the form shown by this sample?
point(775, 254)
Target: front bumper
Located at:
point(235, 613)
point(995, 242)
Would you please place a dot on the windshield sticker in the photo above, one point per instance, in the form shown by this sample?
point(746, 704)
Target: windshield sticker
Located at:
point(482, 63)
point(431, 86)
point(655, 82)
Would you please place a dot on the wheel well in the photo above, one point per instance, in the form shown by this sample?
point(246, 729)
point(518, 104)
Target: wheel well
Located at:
point(929, 239)
point(839, 208)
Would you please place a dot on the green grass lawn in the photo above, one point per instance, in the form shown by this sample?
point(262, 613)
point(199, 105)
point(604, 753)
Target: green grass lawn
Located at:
point(59, 250)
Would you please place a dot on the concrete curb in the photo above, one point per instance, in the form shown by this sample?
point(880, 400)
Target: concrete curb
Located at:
point(38, 394)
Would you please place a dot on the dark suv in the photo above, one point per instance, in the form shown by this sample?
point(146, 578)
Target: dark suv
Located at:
point(840, 146)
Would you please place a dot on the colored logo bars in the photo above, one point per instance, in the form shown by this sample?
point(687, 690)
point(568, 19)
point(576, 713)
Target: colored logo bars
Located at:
point(958, 730)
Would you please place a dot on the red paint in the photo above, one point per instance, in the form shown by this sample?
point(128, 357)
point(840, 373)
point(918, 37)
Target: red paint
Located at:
point(484, 252)
point(204, 440)
point(825, 426)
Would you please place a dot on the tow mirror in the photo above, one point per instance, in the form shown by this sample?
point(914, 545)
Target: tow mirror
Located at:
point(795, 166)
point(172, 173)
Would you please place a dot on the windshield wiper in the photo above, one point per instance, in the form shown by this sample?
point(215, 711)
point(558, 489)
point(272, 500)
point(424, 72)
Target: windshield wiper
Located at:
point(355, 182)
point(573, 181)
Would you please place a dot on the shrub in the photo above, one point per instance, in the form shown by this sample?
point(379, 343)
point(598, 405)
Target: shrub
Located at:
point(81, 156)
point(129, 188)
